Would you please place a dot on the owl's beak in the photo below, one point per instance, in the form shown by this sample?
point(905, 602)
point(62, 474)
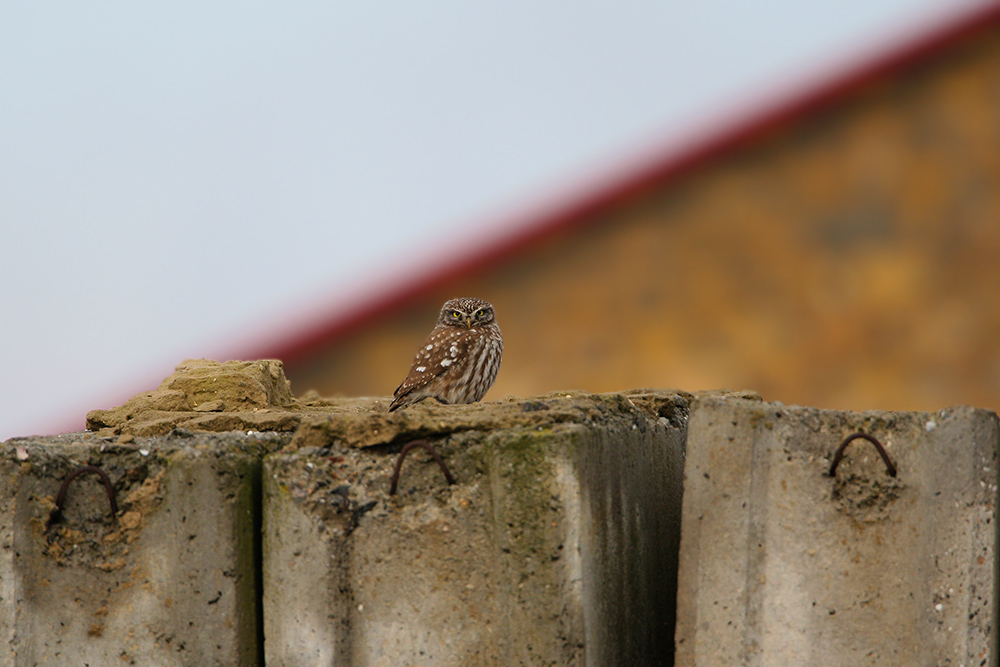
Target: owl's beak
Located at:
point(468, 322)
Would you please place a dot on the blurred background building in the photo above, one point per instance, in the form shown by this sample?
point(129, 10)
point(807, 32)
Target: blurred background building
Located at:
point(841, 251)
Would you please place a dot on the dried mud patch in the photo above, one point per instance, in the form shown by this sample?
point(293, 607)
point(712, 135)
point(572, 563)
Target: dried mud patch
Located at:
point(85, 534)
point(254, 396)
point(865, 498)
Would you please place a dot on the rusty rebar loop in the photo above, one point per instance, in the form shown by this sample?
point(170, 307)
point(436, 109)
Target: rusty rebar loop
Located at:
point(889, 467)
point(61, 496)
point(406, 450)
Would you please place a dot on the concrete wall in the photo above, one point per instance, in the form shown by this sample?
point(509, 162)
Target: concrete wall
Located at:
point(171, 581)
point(547, 552)
point(559, 545)
point(784, 565)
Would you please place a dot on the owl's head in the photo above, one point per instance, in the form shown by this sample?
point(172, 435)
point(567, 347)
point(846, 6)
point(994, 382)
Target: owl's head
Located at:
point(466, 312)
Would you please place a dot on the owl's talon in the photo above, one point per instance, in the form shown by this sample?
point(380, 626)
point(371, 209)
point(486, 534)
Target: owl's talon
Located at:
point(406, 450)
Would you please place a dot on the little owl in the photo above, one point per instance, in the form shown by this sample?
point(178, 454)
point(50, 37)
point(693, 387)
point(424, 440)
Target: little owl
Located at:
point(459, 360)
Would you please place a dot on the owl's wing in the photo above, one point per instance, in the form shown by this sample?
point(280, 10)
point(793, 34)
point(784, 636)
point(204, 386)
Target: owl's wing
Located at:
point(444, 349)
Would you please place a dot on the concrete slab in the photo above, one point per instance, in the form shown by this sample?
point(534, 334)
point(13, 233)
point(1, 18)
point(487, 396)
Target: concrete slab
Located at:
point(782, 565)
point(557, 546)
point(170, 581)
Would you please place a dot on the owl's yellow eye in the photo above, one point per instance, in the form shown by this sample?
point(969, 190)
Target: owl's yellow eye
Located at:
point(455, 314)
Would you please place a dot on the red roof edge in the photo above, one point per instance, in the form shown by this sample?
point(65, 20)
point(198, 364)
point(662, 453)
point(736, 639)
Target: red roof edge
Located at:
point(653, 173)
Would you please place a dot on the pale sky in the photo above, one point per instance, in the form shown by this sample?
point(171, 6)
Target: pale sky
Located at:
point(191, 179)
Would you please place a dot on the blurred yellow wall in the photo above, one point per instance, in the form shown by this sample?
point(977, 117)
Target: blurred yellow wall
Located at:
point(850, 259)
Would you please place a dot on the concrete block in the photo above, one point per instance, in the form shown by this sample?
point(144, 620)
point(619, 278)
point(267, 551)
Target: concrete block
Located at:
point(557, 546)
point(170, 581)
point(781, 564)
